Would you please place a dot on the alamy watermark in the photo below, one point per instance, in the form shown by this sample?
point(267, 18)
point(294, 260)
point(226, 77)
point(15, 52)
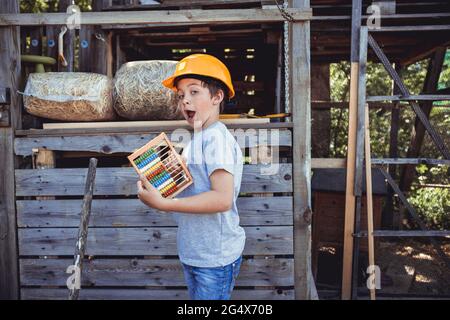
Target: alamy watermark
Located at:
point(374, 279)
point(73, 282)
point(263, 146)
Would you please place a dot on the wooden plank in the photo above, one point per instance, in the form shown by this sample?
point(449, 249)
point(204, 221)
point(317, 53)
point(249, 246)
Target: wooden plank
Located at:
point(301, 117)
point(149, 124)
point(327, 163)
point(361, 111)
point(36, 42)
point(411, 161)
point(178, 3)
point(351, 153)
point(150, 294)
point(408, 233)
point(108, 144)
point(52, 44)
point(412, 29)
point(141, 241)
point(122, 181)
point(86, 49)
point(148, 272)
point(358, 184)
point(372, 273)
point(253, 211)
point(157, 17)
point(106, 131)
point(10, 72)
point(423, 97)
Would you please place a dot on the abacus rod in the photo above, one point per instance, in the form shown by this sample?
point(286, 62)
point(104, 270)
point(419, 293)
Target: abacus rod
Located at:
point(155, 152)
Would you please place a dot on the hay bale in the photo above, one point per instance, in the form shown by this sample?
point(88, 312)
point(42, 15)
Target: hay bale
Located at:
point(139, 94)
point(69, 96)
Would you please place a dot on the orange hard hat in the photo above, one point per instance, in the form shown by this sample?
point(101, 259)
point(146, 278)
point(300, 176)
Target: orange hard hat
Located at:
point(204, 65)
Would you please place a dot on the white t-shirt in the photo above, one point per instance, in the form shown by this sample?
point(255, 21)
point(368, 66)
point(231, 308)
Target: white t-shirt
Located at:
point(211, 239)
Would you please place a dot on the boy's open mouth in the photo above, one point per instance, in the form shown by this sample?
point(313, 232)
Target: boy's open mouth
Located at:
point(190, 114)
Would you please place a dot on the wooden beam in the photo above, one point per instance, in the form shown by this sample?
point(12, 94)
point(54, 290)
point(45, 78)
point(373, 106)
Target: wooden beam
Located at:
point(99, 45)
point(300, 93)
point(9, 77)
point(362, 62)
point(408, 233)
point(422, 97)
point(371, 249)
point(349, 220)
point(157, 17)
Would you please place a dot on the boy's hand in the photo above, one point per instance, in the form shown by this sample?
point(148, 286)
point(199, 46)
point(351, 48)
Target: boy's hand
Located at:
point(149, 195)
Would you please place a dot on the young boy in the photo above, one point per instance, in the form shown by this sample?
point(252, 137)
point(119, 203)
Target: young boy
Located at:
point(210, 240)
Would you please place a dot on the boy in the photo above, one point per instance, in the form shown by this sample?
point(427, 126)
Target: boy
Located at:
point(210, 241)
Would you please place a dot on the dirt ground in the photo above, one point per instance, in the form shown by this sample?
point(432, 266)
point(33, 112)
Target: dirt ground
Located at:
point(414, 267)
point(408, 268)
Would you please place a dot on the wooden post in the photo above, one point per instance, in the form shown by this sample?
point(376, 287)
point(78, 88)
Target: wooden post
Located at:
point(52, 44)
point(351, 154)
point(300, 93)
point(86, 48)
point(120, 55)
point(83, 227)
point(10, 78)
point(369, 202)
point(359, 152)
point(99, 61)
point(109, 55)
point(43, 159)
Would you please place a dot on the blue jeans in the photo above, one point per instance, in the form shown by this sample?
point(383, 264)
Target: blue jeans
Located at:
point(211, 283)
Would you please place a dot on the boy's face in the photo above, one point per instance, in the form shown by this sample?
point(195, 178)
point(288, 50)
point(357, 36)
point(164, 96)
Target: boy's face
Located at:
point(199, 108)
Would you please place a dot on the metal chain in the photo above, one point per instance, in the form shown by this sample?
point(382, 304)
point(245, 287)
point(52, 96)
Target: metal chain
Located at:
point(289, 18)
point(286, 15)
point(287, 106)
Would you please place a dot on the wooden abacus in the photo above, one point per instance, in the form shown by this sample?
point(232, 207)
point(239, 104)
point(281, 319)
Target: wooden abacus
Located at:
point(163, 167)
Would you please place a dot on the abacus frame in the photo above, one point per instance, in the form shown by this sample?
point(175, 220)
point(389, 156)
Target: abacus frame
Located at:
point(160, 139)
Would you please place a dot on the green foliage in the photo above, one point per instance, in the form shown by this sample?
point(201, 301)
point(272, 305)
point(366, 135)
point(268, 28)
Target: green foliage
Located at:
point(433, 204)
point(37, 6)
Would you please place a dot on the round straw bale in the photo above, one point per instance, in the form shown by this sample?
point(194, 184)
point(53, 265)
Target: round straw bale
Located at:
point(139, 94)
point(69, 96)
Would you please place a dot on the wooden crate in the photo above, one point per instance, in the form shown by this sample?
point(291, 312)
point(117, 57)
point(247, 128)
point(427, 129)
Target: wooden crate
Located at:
point(131, 248)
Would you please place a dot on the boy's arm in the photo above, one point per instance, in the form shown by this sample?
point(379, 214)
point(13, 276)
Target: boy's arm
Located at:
point(218, 199)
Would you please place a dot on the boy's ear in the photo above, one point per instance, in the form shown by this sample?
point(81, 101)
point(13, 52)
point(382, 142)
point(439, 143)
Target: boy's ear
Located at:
point(218, 97)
